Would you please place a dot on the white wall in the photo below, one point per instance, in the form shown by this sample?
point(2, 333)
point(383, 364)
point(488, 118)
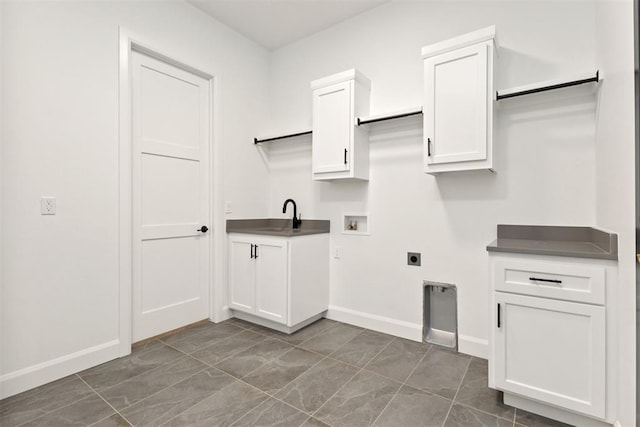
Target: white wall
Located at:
point(615, 173)
point(60, 138)
point(544, 146)
point(1, 214)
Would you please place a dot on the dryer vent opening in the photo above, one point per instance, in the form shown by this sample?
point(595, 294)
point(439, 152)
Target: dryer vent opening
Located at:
point(440, 314)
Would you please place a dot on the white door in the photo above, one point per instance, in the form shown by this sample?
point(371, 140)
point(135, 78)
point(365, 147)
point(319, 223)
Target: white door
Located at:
point(242, 274)
point(332, 128)
point(552, 351)
point(455, 119)
point(271, 280)
point(171, 197)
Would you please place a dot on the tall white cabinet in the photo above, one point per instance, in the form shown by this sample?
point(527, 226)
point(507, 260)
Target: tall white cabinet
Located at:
point(340, 149)
point(459, 102)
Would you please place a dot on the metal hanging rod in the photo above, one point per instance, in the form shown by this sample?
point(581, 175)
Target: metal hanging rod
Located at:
point(374, 119)
point(359, 121)
point(291, 135)
point(531, 90)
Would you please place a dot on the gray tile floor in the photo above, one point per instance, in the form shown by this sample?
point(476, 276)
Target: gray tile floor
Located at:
point(235, 373)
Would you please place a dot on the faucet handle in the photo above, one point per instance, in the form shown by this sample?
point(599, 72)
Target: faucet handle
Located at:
point(297, 221)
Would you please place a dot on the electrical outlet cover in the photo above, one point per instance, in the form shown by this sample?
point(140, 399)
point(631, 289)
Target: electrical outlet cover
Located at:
point(48, 205)
point(413, 258)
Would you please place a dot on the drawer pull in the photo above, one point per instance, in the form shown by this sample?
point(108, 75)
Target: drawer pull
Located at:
point(498, 315)
point(537, 279)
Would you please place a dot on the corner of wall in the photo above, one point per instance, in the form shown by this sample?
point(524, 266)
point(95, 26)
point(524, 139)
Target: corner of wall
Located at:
point(615, 179)
point(1, 177)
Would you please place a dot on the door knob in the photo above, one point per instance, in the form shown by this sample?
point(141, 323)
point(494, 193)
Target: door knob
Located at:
point(204, 229)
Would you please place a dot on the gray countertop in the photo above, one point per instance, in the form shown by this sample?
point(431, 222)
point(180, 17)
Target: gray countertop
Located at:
point(580, 242)
point(278, 227)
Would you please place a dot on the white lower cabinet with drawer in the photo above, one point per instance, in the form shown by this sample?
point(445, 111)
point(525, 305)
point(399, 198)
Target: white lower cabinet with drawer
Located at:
point(279, 282)
point(552, 336)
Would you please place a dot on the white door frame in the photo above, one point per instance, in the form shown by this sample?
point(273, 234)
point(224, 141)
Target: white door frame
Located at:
point(128, 43)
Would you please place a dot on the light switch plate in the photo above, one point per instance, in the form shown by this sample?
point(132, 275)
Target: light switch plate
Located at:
point(47, 205)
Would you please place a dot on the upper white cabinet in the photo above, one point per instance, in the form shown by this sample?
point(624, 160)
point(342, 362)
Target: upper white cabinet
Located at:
point(458, 103)
point(340, 148)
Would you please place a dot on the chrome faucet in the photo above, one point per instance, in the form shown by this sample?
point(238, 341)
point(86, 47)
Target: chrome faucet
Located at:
point(296, 222)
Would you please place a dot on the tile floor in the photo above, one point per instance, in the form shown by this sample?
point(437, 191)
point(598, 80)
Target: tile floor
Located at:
point(238, 374)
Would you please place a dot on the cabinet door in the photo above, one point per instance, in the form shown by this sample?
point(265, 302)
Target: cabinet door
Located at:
point(551, 351)
point(456, 108)
point(272, 280)
point(242, 275)
point(332, 127)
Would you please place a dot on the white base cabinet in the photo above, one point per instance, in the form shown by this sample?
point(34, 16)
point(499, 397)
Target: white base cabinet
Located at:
point(281, 280)
point(551, 336)
point(258, 274)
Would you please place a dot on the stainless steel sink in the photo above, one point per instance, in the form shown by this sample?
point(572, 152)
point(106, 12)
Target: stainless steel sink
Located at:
point(277, 227)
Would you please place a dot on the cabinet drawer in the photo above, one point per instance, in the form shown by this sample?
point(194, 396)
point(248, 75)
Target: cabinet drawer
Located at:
point(558, 280)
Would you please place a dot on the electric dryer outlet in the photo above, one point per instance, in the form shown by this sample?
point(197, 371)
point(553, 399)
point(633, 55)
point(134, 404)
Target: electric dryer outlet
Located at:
point(413, 258)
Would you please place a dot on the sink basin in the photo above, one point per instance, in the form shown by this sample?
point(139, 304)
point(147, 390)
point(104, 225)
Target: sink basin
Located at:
point(277, 227)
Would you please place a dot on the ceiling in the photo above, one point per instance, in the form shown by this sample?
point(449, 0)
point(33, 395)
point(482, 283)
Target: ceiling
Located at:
point(276, 23)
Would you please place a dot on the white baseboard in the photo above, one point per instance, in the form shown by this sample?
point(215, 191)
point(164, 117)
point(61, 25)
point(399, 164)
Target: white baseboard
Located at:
point(552, 412)
point(222, 315)
point(473, 346)
point(51, 370)
point(399, 328)
point(412, 331)
point(275, 325)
